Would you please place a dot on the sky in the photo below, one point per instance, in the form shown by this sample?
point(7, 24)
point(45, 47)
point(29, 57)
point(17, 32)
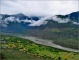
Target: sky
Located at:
point(39, 8)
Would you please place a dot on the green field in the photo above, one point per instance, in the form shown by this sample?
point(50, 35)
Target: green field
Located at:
point(15, 48)
point(67, 37)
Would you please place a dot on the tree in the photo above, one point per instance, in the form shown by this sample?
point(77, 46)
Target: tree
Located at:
point(59, 58)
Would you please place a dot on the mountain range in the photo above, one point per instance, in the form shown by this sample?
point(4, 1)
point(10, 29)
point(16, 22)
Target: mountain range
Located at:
point(59, 28)
point(21, 22)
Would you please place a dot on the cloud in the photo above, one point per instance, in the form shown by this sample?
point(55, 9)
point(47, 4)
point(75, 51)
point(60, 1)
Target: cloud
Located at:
point(30, 21)
point(59, 20)
point(11, 19)
point(7, 20)
point(39, 7)
point(3, 23)
point(41, 21)
point(75, 23)
point(45, 20)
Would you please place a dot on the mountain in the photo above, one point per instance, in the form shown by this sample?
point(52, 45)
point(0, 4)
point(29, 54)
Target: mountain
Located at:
point(21, 22)
point(62, 29)
point(73, 16)
point(15, 22)
point(20, 16)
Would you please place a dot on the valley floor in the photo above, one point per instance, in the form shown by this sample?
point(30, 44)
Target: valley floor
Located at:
point(44, 42)
point(16, 48)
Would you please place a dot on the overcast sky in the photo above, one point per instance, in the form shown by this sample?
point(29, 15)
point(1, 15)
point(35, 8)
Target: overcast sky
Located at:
point(53, 7)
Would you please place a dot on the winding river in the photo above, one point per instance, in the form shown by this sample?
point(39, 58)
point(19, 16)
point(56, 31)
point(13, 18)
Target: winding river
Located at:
point(44, 42)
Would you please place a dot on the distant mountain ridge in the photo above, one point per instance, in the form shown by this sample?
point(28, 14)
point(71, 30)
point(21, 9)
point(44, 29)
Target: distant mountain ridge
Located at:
point(61, 29)
point(74, 16)
point(20, 16)
point(22, 22)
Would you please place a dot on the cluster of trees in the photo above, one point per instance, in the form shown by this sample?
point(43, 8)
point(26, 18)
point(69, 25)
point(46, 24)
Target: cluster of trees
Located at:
point(27, 46)
point(2, 56)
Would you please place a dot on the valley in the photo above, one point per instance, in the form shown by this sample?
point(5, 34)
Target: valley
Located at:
point(43, 42)
point(39, 30)
point(22, 48)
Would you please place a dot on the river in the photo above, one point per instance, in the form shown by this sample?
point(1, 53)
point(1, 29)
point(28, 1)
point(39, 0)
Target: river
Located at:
point(44, 42)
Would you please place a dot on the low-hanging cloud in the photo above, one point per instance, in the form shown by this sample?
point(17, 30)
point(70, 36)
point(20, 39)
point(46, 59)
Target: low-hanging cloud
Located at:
point(45, 20)
point(41, 21)
point(7, 20)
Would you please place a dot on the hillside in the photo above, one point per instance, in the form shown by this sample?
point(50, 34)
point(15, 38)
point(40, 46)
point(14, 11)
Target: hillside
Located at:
point(13, 48)
point(62, 29)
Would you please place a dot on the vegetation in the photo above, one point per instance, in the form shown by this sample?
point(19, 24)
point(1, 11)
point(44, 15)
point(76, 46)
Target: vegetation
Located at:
point(67, 37)
point(13, 48)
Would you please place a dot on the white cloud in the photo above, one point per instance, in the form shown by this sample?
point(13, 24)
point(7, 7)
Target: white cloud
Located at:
point(76, 23)
point(41, 21)
point(6, 21)
point(30, 21)
point(44, 20)
point(39, 7)
point(11, 19)
point(59, 20)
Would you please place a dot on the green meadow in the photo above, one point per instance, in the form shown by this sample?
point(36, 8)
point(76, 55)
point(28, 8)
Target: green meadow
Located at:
point(15, 48)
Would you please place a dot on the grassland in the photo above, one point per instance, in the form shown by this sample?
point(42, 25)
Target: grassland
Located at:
point(15, 48)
